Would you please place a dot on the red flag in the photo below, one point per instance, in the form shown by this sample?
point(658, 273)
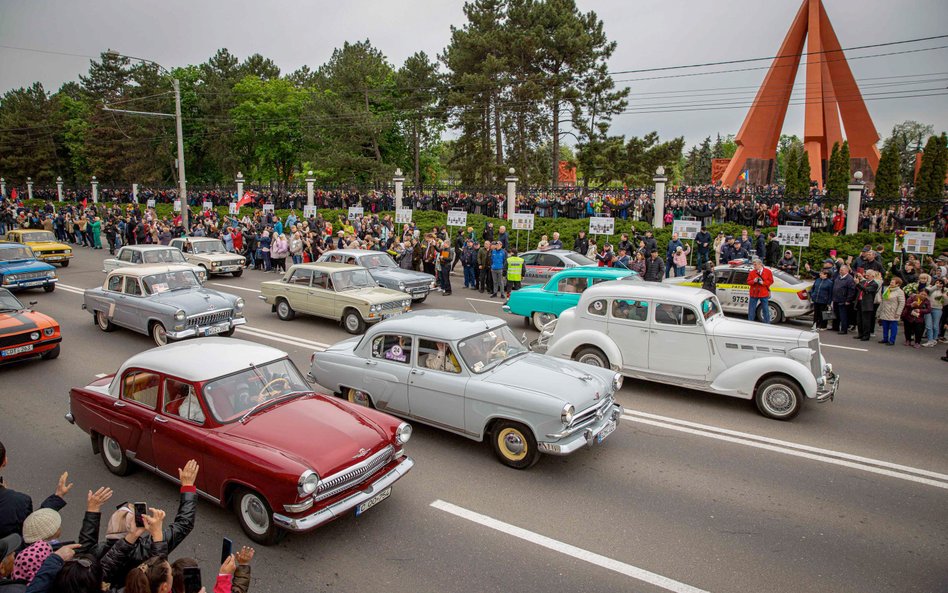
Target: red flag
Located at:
point(84, 202)
point(13, 194)
point(248, 198)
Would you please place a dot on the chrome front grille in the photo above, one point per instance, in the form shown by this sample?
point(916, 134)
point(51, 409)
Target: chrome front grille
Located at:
point(814, 345)
point(391, 305)
point(354, 475)
point(29, 275)
point(592, 412)
point(210, 318)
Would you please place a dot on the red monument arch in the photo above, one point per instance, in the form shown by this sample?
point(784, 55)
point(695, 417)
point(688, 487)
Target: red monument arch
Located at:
point(831, 93)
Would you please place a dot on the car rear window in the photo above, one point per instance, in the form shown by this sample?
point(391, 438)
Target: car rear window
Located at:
point(580, 260)
point(785, 277)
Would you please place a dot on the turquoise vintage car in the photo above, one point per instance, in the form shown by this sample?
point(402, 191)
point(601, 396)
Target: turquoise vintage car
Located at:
point(542, 303)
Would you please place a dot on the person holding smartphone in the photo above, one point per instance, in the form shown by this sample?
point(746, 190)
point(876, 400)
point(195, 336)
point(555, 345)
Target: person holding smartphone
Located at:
point(759, 279)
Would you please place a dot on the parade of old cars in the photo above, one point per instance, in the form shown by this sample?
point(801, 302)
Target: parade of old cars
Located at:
point(335, 291)
point(468, 374)
point(678, 335)
point(384, 271)
point(284, 458)
point(44, 245)
point(539, 266)
point(166, 302)
point(20, 269)
point(25, 333)
point(210, 254)
point(134, 255)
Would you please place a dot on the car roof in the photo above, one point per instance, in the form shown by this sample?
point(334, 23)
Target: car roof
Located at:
point(326, 266)
point(11, 245)
point(451, 325)
point(595, 272)
point(354, 252)
point(149, 269)
point(147, 247)
point(196, 239)
point(188, 359)
point(646, 290)
point(560, 252)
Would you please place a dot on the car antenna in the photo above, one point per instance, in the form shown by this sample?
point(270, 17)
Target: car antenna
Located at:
point(481, 317)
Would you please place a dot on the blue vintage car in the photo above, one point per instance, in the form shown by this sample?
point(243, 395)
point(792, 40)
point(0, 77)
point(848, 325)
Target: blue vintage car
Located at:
point(20, 269)
point(542, 303)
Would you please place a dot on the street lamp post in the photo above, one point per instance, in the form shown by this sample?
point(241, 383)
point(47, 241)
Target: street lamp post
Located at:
point(29, 187)
point(59, 188)
point(95, 190)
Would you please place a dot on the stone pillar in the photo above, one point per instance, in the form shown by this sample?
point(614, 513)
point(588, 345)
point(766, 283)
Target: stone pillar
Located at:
point(854, 205)
point(135, 192)
point(658, 219)
point(240, 185)
point(59, 188)
point(511, 180)
point(95, 190)
point(3, 187)
point(399, 180)
point(310, 194)
point(29, 188)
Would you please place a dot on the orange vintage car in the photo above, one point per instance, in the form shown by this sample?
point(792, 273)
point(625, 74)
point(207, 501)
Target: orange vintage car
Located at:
point(24, 333)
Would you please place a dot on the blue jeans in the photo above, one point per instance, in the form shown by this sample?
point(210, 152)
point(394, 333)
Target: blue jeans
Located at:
point(932, 320)
point(669, 266)
point(752, 310)
point(679, 271)
point(890, 329)
point(470, 279)
point(702, 258)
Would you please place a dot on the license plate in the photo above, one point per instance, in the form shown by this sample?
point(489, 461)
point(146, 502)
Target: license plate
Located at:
point(17, 350)
point(56, 258)
point(217, 329)
point(387, 315)
point(373, 501)
point(606, 431)
point(34, 283)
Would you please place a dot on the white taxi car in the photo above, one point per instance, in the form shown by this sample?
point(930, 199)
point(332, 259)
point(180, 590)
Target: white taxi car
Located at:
point(789, 296)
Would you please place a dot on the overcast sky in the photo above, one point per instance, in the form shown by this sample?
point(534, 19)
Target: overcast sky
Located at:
point(650, 33)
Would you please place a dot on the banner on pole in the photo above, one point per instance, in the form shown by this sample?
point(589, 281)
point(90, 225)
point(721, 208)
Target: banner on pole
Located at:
point(208, 205)
point(267, 208)
point(686, 229)
point(309, 211)
point(150, 203)
point(355, 212)
point(457, 218)
point(793, 235)
point(521, 221)
point(919, 242)
point(602, 225)
point(177, 205)
point(233, 208)
point(403, 216)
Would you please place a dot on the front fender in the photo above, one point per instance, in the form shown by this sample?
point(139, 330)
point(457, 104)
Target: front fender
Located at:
point(741, 379)
point(565, 346)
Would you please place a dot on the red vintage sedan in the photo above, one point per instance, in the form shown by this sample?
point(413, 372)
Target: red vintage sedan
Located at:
point(285, 458)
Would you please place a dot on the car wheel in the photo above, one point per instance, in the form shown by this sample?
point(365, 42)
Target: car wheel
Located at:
point(229, 332)
point(284, 311)
point(515, 445)
point(779, 398)
point(237, 273)
point(540, 319)
point(352, 321)
point(49, 287)
point(64, 264)
point(159, 334)
point(359, 397)
point(113, 455)
point(592, 356)
point(422, 299)
point(102, 320)
point(776, 313)
point(51, 354)
point(256, 518)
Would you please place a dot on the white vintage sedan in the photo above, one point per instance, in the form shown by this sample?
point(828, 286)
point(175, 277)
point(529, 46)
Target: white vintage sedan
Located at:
point(468, 374)
point(678, 335)
point(136, 255)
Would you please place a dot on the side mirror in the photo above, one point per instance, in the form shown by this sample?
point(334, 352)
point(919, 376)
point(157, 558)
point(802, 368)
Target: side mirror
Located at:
point(33, 303)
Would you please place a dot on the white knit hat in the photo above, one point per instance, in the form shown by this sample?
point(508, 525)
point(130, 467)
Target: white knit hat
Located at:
point(41, 524)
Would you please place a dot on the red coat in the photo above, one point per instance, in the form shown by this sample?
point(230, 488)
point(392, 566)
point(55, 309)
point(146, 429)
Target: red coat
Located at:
point(839, 221)
point(762, 289)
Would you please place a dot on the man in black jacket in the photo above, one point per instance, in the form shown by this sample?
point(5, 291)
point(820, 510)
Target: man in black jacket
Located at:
point(703, 245)
point(654, 268)
point(15, 506)
point(581, 243)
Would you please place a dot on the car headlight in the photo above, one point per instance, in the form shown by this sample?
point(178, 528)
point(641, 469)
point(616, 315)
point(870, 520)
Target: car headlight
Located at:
point(406, 302)
point(239, 303)
point(375, 308)
point(828, 369)
point(179, 315)
point(51, 274)
point(403, 433)
point(401, 286)
point(35, 336)
point(617, 382)
point(49, 331)
point(567, 414)
point(213, 265)
point(9, 279)
point(308, 482)
point(68, 251)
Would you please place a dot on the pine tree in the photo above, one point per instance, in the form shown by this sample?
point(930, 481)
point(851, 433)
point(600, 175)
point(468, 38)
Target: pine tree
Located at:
point(803, 175)
point(930, 182)
point(888, 176)
point(836, 179)
point(791, 173)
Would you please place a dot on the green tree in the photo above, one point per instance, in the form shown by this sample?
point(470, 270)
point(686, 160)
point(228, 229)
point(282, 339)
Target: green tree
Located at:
point(703, 166)
point(930, 183)
point(791, 171)
point(888, 177)
point(267, 122)
point(784, 145)
point(803, 174)
point(908, 137)
point(29, 126)
point(418, 85)
point(837, 175)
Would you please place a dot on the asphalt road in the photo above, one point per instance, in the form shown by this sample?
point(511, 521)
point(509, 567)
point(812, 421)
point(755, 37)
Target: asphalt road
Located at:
point(693, 492)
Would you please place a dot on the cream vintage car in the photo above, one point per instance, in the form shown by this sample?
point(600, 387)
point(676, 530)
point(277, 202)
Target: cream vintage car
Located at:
point(210, 254)
point(678, 335)
point(335, 291)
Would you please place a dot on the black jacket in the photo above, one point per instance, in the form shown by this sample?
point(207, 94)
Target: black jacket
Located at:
point(708, 282)
point(15, 507)
point(654, 270)
point(844, 289)
point(13, 585)
point(581, 245)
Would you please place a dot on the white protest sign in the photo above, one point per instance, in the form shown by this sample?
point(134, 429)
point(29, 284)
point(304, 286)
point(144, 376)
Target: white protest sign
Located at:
point(233, 208)
point(521, 221)
point(267, 208)
point(919, 242)
point(403, 216)
point(457, 218)
point(793, 235)
point(686, 229)
point(208, 205)
point(355, 212)
point(177, 205)
point(602, 225)
point(150, 203)
point(309, 211)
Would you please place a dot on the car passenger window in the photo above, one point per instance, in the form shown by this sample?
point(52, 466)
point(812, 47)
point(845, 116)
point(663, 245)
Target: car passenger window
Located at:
point(132, 287)
point(675, 315)
point(572, 285)
point(437, 356)
point(530, 259)
point(689, 317)
point(395, 348)
point(321, 280)
point(549, 260)
point(301, 277)
point(739, 278)
point(115, 283)
point(722, 277)
point(136, 257)
point(597, 307)
point(630, 310)
point(141, 387)
point(180, 400)
point(125, 255)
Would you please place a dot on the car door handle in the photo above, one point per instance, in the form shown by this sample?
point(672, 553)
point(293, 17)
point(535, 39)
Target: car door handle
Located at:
point(160, 419)
point(644, 331)
point(417, 372)
point(119, 404)
point(370, 363)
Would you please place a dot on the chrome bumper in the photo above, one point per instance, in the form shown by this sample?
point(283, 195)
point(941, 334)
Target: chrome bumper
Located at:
point(225, 269)
point(337, 509)
point(505, 308)
point(587, 437)
point(826, 387)
point(202, 329)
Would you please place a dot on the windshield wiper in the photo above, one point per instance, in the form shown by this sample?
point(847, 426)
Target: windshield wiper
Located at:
point(266, 402)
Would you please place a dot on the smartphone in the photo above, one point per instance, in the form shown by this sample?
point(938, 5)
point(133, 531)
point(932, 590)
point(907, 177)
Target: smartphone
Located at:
point(141, 509)
point(192, 579)
point(227, 548)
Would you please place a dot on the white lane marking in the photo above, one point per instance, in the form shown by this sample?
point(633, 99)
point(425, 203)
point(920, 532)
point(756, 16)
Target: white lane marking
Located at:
point(72, 289)
point(567, 549)
point(290, 337)
point(795, 452)
point(484, 301)
point(305, 345)
point(844, 347)
point(235, 287)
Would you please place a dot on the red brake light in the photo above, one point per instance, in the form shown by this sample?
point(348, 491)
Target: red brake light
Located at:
point(803, 295)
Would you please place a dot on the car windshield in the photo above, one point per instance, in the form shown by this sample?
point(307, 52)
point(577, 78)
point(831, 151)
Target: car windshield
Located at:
point(352, 279)
point(169, 281)
point(38, 236)
point(785, 277)
point(377, 260)
point(8, 302)
point(481, 352)
point(231, 397)
point(16, 253)
point(163, 256)
point(710, 307)
point(207, 247)
point(580, 260)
